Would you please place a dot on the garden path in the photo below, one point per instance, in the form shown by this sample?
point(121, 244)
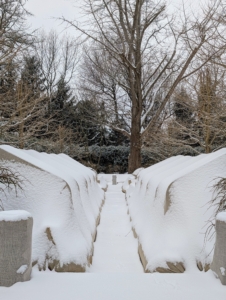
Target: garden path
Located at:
point(115, 249)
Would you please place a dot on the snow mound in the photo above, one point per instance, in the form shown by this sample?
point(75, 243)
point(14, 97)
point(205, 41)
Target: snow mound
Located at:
point(64, 198)
point(170, 210)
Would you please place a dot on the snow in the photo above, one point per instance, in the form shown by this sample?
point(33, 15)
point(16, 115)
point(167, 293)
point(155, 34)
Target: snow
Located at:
point(221, 216)
point(108, 177)
point(116, 272)
point(22, 269)
point(116, 249)
point(64, 199)
point(223, 271)
point(14, 215)
point(169, 207)
point(103, 183)
point(73, 286)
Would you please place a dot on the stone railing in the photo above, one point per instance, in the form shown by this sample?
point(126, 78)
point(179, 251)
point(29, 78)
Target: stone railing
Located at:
point(218, 265)
point(15, 246)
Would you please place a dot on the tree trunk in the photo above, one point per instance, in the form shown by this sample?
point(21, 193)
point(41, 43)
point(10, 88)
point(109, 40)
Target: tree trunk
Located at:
point(135, 142)
point(21, 135)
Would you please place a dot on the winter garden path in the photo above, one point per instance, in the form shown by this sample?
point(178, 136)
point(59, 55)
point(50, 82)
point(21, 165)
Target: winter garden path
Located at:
point(115, 249)
point(116, 272)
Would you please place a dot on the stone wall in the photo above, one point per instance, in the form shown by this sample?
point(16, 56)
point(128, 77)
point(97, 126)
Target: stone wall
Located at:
point(218, 265)
point(15, 247)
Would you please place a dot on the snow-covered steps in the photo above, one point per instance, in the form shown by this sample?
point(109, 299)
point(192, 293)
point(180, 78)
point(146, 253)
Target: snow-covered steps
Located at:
point(115, 249)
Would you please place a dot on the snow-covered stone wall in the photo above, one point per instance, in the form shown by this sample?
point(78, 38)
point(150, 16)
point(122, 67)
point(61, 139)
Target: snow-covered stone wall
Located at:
point(64, 199)
point(169, 207)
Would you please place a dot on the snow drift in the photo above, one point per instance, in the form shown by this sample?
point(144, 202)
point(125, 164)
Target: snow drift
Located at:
point(64, 199)
point(169, 207)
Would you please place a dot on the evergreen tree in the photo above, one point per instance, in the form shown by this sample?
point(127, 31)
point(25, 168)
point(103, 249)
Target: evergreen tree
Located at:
point(63, 98)
point(31, 76)
point(182, 107)
point(8, 81)
point(88, 124)
point(184, 117)
point(62, 104)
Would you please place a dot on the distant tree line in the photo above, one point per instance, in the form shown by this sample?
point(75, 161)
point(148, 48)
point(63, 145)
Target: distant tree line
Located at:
point(142, 86)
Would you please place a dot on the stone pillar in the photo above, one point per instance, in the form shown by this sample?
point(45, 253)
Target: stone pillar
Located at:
point(114, 179)
point(218, 265)
point(15, 246)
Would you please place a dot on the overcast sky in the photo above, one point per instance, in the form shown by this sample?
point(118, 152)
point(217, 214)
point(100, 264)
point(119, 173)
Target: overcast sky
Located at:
point(45, 11)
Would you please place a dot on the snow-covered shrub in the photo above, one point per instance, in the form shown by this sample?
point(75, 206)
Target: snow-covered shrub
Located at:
point(169, 207)
point(111, 159)
point(64, 199)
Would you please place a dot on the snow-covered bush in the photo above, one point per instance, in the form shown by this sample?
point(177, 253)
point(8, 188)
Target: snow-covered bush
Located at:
point(111, 159)
point(64, 199)
point(169, 207)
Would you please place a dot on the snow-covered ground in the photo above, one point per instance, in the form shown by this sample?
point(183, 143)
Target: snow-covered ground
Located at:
point(116, 272)
point(116, 286)
point(116, 249)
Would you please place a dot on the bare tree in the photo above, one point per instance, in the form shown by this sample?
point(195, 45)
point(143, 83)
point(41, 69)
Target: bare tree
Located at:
point(198, 122)
point(99, 80)
point(14, 36)
point(58, 58)
point(14, 40)
point(153, 54)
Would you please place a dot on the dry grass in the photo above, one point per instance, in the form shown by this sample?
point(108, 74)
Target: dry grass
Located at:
point(218, 202)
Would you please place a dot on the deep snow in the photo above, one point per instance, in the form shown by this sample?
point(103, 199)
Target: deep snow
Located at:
point(64, 199)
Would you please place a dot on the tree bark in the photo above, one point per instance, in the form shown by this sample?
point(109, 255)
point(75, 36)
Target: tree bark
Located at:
point(134, 160)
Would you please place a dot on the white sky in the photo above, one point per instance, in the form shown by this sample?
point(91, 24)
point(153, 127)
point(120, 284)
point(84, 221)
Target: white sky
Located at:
point(45, 11)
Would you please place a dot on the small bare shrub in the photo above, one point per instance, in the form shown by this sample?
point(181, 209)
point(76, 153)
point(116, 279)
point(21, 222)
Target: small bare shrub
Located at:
point(219, 203)
point(10, 180)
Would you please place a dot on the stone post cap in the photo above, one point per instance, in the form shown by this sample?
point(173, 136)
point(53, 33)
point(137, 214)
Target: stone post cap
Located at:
point(221, 216)
point(14, 215)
